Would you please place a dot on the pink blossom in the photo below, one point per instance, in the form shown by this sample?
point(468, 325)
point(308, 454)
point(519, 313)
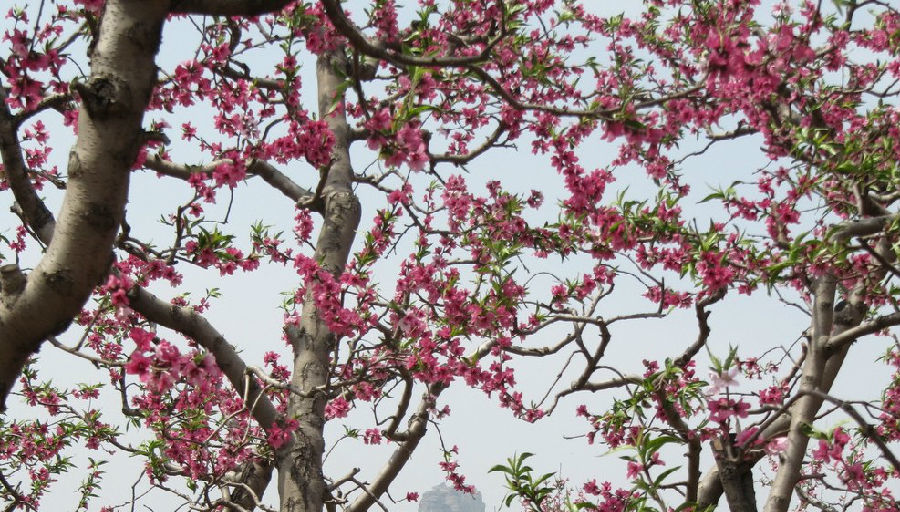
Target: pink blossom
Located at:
point(372, 436)
point(634, 470)
point(723, 408)
point(723, 380)
point(138, 364)
point(337, 408)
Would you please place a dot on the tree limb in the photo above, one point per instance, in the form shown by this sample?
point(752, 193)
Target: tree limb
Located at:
point(34, 211)
point(189, 323)
point(847, 337)
point(277, 179)
point(300, 484)
point(703, 326)
point(418, 424)
point(862, 227)
point(360, 43)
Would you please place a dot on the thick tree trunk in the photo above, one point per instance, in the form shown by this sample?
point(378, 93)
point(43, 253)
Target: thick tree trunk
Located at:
point(301, 484)
point(735, 476)
point(805, 411)
point(113, 100)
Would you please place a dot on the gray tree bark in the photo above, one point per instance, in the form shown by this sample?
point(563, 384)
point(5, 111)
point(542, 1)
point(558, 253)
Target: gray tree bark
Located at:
point(113, 100)
point(301, 484)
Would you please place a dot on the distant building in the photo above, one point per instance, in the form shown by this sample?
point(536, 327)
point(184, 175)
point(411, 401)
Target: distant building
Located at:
point(443, 498)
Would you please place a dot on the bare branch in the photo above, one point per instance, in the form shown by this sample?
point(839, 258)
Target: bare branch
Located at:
point(703, 324)
point(488, 143)
point(346, 478)
point(862, 227)
point(599, 386)
point(418, 424)
point(181, 171)
point(56, 102)
point(850, 335)
point(282, 183)
point(262, 83)
point(245, 488)
point(391, 431)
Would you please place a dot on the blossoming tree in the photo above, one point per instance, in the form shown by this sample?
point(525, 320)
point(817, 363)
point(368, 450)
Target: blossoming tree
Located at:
point(442, 276)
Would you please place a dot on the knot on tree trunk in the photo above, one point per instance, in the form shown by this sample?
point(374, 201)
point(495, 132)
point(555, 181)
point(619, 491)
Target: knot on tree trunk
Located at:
point(12, 282)
point(735, 474)
point(104, 97)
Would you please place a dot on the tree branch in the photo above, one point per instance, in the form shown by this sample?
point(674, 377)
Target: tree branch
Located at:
point(194, 326)
point(282, 183)
point(360, 43)
point(254, 476)
point(277, 179)
point(735, 475)
point(181, 171)
point(460, 159)
point(34, 211)
point(868, 430)
point(862, 227)
point(847, 337)
point(703, 326)
point(247, 487)
point(691, 437)
point(312, 340)
point(418, 424)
